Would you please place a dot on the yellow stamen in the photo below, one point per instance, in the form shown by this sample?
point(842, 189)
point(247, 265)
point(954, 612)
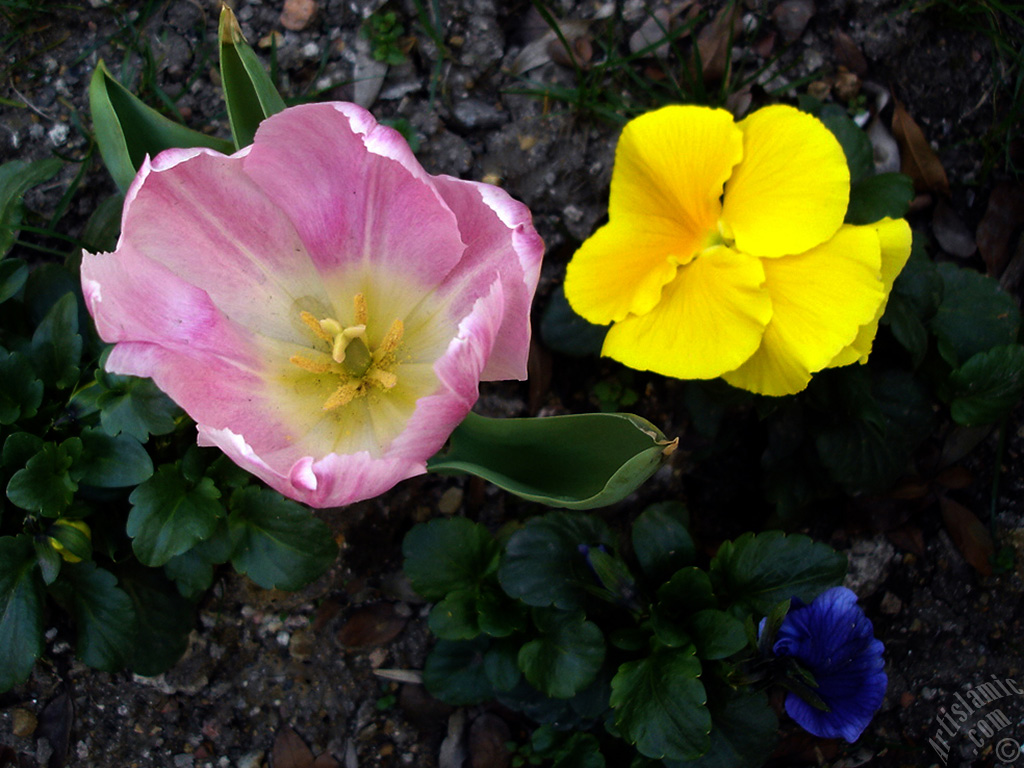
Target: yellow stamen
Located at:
point(316, 326)
point(343, 395)
point(361, 312)
point(310, 365)
point(390, 342)
point(385, 379)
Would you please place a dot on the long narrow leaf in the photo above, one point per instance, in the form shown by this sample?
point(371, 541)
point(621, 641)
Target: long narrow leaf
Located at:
point(580, 461)
point(249, 93)
point(127, 129)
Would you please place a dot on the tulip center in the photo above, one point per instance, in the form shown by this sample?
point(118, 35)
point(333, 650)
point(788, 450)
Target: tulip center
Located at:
point(345, 352)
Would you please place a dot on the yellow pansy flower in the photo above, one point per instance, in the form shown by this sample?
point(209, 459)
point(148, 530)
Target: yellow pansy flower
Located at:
point(725, 252)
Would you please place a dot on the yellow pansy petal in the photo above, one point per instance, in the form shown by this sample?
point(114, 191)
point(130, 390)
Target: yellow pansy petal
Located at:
point(672, 164)
point(820, 299)
point(622, 268)
point(709, 320)
point(895, 238)
point(790, 192)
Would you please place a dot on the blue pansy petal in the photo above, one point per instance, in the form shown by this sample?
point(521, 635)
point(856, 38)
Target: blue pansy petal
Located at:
point(835, 641)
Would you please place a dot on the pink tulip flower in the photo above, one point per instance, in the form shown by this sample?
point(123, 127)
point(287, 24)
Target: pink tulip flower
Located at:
point(319, 304)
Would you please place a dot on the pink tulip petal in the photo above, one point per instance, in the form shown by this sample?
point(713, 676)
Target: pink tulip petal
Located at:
point(355, 193)
point(500, 238)
point(198, 214)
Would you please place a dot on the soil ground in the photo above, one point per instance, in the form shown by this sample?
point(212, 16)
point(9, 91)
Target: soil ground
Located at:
point(263, 662)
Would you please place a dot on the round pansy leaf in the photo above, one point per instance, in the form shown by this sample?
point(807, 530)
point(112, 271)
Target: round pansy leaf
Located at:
point(113, 462)
point(565, 331)
point(566, 657)
point(542, 564)
point(46, 485)
point(21, 393)
point(21, 609)
point(975, 315)
point(455, 672)
point(687, 592)
point(660, 707)
point(501, 665)
point(661, 540)
point(104, 615)
point(165, 619)
point(877, 197)
point(716, 634)
point(743, 730)
point(278, 543)
point(987, 386)
point(56, 344)
point(756, 571)
point(855, 143)
point(445, 555)
point(455, 617)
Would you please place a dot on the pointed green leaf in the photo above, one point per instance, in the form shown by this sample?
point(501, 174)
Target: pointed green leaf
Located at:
point(659, 705)
point(16, 178)
point(104, 615)
point(48, 558)
point(56, 345)
point(278, 543)
point(987, 386)
point(758, 571)
point(580, 461)
point(248, 91)
point(21, 393)
point(566, 658)
point(687, 592)
point(661, 540)
point(127, 129)
point(716, 634)
point(445, 555)
point(170, 516)
point(113, 462)
point(21, 610)
point(13, 274)
point(542, 564)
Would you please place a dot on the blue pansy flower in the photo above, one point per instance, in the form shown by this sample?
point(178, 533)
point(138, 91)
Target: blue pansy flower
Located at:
point(835, 642)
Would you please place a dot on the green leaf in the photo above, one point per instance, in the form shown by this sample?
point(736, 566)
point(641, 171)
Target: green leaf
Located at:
point(13, 274)
point(661, 540)
point(454, 672)
point(856, 144)
point(16, 178)
point(445, 555)
point(987, 386)
point(278, 543)
point(580, 461)
point(113, 462)
point(501, 665)
point(498, 614)
point(56, 345)
point(566, 658)
point(19, 447)
point(170, 516)
point(164, 620)
point(74, 540)
point(659, 705)
point(687, 592)
point(104, 616)
point(756, 571)
point(45, 485)
point(974, 316)
point(455, 617)
point(135, 407)
point(21, 610)
point(743, 730)
point(564, 331)
point(876, 197)
point(21, 393)
point(48, 558)
point(104, 225)
point(249, 94)
point(542, 564)
point(716, 634)
point(127, 130)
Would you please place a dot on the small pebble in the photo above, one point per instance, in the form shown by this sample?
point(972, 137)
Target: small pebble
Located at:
point(24, 723)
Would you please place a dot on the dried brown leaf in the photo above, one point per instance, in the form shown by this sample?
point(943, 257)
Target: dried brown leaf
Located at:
point(848, 53)
point(1004, 216)
point(372, 625)
point(714, 40)
point(909, 538)
point(969, 535)
point(919, 160)
point(488, 736)
point(55, 727)
point(326, 761)
point(290, 751)
point(955, 477)
point(791, 17)
point(951, 233)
